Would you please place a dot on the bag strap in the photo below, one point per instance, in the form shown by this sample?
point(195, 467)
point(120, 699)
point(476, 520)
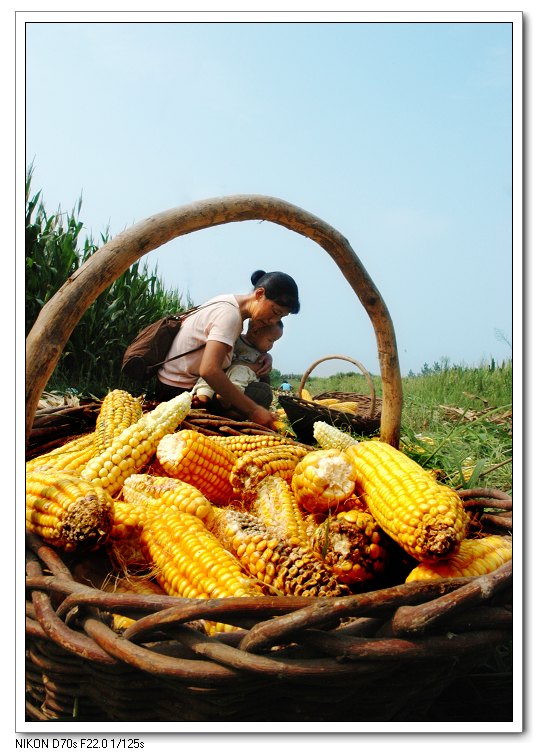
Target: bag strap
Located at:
point(178, 356)
point(183, 316)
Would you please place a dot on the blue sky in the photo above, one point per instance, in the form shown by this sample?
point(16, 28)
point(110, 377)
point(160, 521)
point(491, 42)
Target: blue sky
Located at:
point(399, 134)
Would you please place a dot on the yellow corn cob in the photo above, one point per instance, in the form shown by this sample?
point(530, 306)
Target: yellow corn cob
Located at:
point(425, 518)
point(276, 507)
point(71, 457)
point(195, 458)
point(123, 544)
point(67, 512)
point(127, 520)
point(327, 401)
point(306, 395)
point(156, 494)
point(190, 562)
point(322, 480)
point(147, 496)
point(253, 466)
point(345, 406)
point(240, 444)
point(353, 545)
point(132, 449)
point(328, 436)
point(472, 559)
point(281, 566)
point(118, 410)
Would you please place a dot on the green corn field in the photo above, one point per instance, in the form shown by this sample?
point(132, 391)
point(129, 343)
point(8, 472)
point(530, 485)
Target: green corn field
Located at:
point(90, 362)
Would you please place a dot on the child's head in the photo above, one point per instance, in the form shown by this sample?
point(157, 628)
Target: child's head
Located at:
point(263, 338)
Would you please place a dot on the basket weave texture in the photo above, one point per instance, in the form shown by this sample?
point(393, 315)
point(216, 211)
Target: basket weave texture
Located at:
point(382, 655)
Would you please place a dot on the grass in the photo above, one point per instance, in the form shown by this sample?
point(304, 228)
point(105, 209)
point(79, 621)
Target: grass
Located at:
point(466, 412)
point(456, 419)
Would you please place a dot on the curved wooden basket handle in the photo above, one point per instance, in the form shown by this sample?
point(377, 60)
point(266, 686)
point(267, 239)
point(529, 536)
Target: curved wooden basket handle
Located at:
point(61, 313)
point(361, 367)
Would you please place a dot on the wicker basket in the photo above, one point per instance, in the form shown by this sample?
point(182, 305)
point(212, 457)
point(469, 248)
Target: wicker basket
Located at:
point(382, 655)
point(302, 413)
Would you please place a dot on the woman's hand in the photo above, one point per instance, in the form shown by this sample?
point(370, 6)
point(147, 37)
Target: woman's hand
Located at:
point(264, 417)
point(212, 372)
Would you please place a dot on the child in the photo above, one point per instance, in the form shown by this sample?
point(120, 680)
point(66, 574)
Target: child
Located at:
point(247, 350)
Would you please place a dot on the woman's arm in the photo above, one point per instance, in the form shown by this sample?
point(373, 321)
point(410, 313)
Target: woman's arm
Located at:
point(212, 372)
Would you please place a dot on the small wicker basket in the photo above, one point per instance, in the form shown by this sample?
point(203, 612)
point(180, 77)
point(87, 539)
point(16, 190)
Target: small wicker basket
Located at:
point(302, 413)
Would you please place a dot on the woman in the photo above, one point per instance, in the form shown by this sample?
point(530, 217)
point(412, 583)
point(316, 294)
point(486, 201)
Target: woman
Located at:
point(210, 334)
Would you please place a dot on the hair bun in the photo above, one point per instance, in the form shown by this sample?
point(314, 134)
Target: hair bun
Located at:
point(256, 276)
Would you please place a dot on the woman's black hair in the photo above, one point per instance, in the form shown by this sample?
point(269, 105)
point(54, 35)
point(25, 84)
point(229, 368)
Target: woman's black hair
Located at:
point(279, 287)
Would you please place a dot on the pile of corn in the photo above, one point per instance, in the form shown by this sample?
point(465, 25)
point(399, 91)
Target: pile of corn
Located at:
point(351, 407)
point(210, 517)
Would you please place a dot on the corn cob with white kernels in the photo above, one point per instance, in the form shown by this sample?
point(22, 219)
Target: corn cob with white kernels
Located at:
point(118, 411)
point(281, 566)
point(132, 449)
point(472, 559)
point(328, 436)
point(425, 518)
point(67, 512)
